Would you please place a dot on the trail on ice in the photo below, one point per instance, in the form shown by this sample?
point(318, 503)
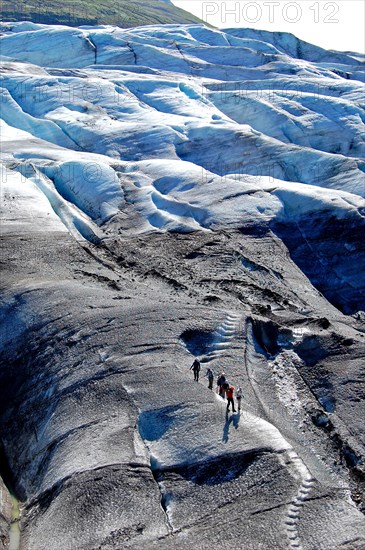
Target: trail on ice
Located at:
point(293, 510)
point(290, 459)
point(307, 475)
point(224, 335)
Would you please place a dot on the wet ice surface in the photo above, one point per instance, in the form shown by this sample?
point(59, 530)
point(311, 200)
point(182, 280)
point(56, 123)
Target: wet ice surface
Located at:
point(171, 192)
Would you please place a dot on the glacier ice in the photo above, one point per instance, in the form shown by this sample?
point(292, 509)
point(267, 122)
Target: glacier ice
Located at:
point(259, 119)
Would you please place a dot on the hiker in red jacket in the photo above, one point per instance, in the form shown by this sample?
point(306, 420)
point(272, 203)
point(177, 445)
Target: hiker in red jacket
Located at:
point(230, 400)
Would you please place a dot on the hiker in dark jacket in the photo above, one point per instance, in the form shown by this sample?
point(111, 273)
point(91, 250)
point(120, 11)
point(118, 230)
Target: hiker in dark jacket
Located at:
point(225, 387)
point(196, 369)
point(210, 376)
point(220, 381)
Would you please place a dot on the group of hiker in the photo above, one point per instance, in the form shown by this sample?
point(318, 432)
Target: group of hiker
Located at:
point(224, 388)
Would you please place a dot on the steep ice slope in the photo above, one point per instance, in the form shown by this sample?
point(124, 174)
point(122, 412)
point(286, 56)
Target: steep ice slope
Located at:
point(112, 444)
point(164, 189)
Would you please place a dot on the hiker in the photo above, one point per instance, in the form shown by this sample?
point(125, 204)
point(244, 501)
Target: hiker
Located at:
point(196, 369)
point(230, 400)
point(239, 396)
point(210, 376)
point(220, 381)
point(225, 387)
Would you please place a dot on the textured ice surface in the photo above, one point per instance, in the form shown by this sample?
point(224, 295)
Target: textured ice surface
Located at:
point(170, 190)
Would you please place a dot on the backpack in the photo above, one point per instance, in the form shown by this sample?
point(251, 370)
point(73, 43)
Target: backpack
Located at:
point(230, 391)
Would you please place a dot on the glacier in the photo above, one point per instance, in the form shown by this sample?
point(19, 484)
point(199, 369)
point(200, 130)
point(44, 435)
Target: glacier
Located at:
point(168, 192)
point(159, 93)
